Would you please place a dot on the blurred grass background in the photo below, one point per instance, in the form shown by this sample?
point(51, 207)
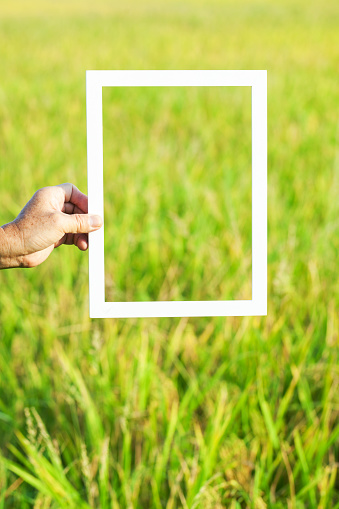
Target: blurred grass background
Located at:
point(177, 181)
point(166, 413)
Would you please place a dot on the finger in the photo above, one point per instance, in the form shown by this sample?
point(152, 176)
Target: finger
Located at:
point(80, 223)
point(81, 241)
point(76, 238)
point(61, 241)
point(73, 195)
point(69, 239)
point(70, 208)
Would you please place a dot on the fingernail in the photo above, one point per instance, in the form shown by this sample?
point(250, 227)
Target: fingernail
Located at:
point(95, 221)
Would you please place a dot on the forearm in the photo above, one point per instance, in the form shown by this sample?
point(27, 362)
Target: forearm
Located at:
point(10, 242)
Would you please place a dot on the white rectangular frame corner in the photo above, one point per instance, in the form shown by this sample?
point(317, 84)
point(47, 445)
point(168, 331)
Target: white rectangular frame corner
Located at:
point(257, 79)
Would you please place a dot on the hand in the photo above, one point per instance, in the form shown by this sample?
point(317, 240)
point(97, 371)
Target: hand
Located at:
point(54, 216)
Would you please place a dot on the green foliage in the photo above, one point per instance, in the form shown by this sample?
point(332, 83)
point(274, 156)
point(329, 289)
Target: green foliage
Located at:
point(168, 413)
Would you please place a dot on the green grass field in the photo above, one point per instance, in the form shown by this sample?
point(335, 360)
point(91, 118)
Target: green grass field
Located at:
point(177, 180)
point(172, 413)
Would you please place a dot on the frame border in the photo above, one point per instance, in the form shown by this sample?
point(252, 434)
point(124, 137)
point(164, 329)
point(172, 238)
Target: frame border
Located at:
point(257, 79)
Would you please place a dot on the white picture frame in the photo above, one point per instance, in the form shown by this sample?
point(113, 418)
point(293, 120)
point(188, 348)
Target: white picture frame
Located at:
point(257, 79)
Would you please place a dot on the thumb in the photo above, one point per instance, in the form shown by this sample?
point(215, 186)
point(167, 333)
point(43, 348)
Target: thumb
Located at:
point(81, 223)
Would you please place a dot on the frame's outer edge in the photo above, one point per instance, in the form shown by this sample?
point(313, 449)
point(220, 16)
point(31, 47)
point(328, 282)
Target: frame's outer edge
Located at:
point(95, 191)
point(259, 192)
point(172, 309)
point(257, 79)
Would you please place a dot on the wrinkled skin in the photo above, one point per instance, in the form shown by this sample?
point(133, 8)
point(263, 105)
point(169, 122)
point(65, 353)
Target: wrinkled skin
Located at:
point(54, 216)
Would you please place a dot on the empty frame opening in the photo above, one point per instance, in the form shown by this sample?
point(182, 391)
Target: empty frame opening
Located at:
point(177, 193)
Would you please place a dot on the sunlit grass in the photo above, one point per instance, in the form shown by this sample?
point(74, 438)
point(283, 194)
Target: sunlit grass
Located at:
point(172, 413)
point(177, 177)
